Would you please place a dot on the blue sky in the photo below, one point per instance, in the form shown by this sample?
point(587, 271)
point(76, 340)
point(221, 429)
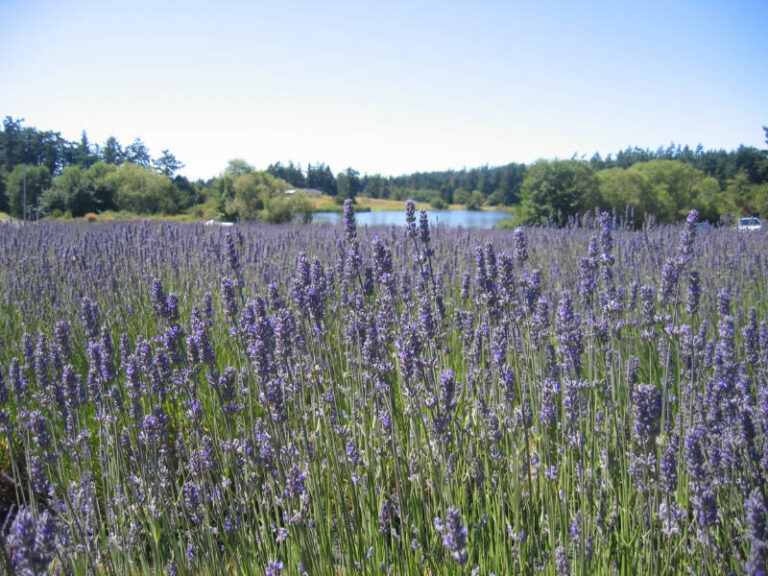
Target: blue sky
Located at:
point(388, 87)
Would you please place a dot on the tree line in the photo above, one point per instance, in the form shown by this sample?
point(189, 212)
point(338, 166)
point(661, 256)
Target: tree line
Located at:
point(42, 174)
point(664, 184)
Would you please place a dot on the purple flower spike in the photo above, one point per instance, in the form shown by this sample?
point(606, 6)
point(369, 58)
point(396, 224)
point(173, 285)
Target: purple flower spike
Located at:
point(454, 535)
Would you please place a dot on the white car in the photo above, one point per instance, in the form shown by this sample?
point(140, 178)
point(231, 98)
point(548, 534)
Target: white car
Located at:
point(749, 224)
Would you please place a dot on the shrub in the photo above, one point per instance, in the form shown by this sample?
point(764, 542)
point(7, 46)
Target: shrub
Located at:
point(438, 204)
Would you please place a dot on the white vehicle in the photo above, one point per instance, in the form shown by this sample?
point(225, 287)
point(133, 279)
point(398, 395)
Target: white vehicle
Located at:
point(749, 224)
point(217, 223)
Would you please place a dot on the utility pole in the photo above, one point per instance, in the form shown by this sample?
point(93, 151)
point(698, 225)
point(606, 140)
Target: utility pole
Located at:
point(24, 192)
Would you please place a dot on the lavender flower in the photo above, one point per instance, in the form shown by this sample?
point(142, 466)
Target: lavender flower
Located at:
point(670, 277)
point(751, 338)
point(550, 393)
point(233, 262)
point(158, 298)
point(410, 218)
point(454, 535)
point(89, 315)
point(694, 292)
point(540, 321)
point(61, 334)
point(4, 397)
point(723, 303)
point(387, 513)
point(531, 285)
point(447, 391)
point(688, 237)
point(294, 483)
point(31, 542)
point(274, 568)
point(668, 465)
point(39, 429)
point(193, 503)
point(229, 298)
point(569, 332)
point(172, 307)
point(561, 562)
point(606, 239)
point(18, 379)
point(226, 389)
point(521, 246)
point(382, 261)
point(40, 363)
point(423, 227)
point(353, 258)
point(694, 455)
point(757, 535)
point(647, 412)
point(507, 383)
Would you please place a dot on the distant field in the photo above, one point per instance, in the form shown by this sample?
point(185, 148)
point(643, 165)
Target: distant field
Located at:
point(327, 203)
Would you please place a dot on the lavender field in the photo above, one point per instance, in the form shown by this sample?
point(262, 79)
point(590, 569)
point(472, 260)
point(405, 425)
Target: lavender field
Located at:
point(180, 399)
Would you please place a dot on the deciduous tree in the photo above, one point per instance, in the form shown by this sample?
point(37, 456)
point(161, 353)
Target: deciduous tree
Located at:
point(24, 187)
point(552, 191)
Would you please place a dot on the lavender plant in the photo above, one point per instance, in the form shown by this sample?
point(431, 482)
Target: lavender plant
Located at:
point(176, 399)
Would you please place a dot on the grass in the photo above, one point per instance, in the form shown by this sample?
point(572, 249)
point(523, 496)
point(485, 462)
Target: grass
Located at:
point(327, 203)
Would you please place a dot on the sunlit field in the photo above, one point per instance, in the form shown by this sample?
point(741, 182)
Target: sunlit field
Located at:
point(183, 399)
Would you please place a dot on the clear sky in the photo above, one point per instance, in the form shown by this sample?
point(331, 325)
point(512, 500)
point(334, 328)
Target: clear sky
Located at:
point(391, 86)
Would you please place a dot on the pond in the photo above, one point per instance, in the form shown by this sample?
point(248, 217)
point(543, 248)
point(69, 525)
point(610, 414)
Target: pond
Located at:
point(452, 218)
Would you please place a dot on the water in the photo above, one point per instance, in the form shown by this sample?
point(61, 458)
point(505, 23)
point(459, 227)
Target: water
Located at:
point(451, 218)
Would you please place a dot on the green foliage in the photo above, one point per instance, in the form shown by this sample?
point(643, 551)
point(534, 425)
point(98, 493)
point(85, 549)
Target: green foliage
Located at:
point(461, 196)
point(711, 201)
point(3, 197)
point(496, 198)
point(256, 196)
point(53, 200)
point(760, 198)
point(553, 191)
point(423, 195)
point(348, 183)
point(137, 153)
point(25, 145)
point(37, 179)
point(167, 164)
point(503, 182)
point(186, 194)
point(475, 201)
point(666, 182)
point(376, 186)
point(72, 192)
point(301, 208)
point(668, 189)
point(321, 178)
point(238, 167)
point(291, 174)
point(112, 152)
point(438, 203)
point(141, 190)
point(82, 153)
point(103, 189)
